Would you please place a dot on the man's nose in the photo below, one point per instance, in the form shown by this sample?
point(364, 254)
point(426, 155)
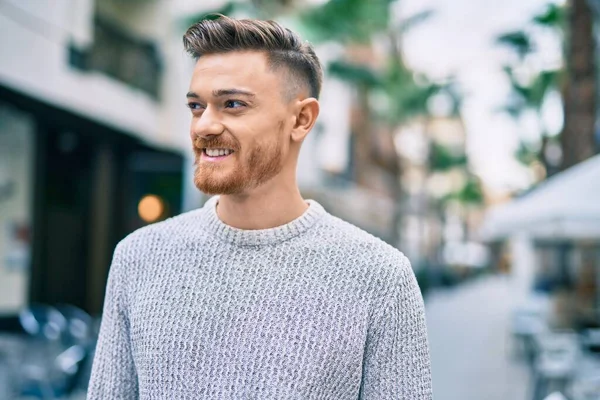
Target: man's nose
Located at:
point(208, 124)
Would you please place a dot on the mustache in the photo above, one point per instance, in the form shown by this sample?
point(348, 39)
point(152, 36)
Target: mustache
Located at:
point(215, 142)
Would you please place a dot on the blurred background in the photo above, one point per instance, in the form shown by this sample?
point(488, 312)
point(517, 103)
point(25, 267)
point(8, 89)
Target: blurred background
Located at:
point(465, 133)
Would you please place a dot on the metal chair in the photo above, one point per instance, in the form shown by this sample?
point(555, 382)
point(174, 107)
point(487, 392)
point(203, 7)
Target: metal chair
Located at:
point(555, 396)
point(526, 324)
point(586, 382)
point(57, 379)
point(43, 322)
point(79, 325)
point(590, 338)
point(60, 339)
point(557, 355)
point(45, 327)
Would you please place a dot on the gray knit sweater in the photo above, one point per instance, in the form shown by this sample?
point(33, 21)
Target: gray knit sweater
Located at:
point(314, 309)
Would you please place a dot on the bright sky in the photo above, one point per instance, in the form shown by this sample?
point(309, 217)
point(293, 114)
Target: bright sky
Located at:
point(459, 39)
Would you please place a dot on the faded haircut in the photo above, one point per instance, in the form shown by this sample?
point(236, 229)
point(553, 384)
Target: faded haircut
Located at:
point(283, 47)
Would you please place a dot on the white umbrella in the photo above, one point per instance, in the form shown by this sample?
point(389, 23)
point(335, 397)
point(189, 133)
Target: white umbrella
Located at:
point(566, 206)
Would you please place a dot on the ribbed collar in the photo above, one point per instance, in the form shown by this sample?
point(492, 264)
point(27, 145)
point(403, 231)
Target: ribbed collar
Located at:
point(243, 237)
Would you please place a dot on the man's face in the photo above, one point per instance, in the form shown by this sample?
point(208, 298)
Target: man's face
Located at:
point(240, 122)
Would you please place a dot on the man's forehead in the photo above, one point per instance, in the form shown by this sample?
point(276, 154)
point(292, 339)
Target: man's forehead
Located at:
point(243, 69)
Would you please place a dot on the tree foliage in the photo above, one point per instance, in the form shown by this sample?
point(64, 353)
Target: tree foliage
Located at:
point(443, 159)
point(519, 41)
point(530, 96)
point(470, 194)
point(346, 21)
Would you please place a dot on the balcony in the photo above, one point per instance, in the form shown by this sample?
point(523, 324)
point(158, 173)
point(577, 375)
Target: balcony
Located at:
point(122, 56)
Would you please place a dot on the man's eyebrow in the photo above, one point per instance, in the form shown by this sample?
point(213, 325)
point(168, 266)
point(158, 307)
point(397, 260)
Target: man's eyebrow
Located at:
point(223, 92)
point(229, 92)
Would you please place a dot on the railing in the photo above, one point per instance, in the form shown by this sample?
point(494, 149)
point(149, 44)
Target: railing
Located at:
point(122, 56)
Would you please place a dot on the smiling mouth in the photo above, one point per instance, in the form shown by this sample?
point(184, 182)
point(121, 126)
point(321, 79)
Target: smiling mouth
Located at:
point(216, 153)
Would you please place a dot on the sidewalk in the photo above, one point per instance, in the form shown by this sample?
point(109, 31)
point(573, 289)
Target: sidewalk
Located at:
point(470, 344)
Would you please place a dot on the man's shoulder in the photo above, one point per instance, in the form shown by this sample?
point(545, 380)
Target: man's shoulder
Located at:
point(169, 229)
point(362, 246)
point(363, 258)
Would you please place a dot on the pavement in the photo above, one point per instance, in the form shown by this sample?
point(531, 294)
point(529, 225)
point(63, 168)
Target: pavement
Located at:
point(471, 348)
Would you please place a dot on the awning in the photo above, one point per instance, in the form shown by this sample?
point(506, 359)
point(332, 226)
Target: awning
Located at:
point(566, 206)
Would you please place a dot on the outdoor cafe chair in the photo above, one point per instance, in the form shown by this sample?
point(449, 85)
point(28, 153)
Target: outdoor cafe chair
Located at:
point(556, 359)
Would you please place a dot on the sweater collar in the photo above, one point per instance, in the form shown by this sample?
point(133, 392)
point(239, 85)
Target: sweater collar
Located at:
point(244, 237)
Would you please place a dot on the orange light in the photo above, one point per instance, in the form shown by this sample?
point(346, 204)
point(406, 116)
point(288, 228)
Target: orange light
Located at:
point(151, 208)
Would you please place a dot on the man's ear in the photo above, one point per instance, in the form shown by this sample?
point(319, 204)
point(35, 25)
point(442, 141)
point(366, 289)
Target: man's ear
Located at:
point(306, 116)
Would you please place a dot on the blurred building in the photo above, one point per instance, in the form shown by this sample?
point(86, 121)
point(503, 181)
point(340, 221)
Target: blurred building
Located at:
point(354, 180)
point(335, 167)
point(93, 140)
point(549, 237)
point(443, 209)
point(553, 235)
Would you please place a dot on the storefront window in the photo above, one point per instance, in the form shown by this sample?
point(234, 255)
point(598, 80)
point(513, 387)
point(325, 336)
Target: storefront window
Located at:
point(16, 195)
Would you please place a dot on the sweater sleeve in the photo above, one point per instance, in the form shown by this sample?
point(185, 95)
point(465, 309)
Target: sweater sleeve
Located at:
point(396, 362)
point(113, 371)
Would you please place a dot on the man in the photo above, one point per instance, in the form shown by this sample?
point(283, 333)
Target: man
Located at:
point(260, 294)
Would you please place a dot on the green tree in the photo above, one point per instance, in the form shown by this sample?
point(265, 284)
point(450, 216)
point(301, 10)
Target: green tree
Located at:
point(393, 81)
point(530, 96)
point(575, 81)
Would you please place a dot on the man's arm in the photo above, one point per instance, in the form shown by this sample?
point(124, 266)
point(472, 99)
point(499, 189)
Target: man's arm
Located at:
point(113, 371)
point(396, 361)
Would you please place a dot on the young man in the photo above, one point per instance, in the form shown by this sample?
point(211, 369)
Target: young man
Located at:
point(260, 294)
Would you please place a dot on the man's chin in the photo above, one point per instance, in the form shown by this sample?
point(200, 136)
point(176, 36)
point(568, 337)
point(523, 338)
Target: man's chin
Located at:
point(219, 187)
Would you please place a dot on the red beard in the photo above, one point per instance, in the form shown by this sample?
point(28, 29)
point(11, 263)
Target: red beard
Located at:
point(261, 164)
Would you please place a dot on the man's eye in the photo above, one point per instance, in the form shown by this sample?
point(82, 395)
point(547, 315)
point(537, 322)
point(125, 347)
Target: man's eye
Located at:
point(194, 106)
point(234, 104)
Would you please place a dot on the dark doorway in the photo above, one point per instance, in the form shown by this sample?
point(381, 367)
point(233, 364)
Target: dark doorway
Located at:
point(88, 182)
point(62, 231)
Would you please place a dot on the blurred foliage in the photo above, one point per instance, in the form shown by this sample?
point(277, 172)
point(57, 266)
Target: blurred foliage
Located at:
point(406, 98)
point(414, 20)
point(266, 9)
point(442, 158)
point(554, 16)
point(526, 155)
point(229, 8)
point(470, 193)
point(530, 96)
point(522, 42)
point(534, 93)
point(346, 21)
point(355, 73)
point(518, 41)
point(409, 98)
point(455, 95)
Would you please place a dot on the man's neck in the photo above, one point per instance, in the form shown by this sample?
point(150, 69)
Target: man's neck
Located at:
point(264, 208)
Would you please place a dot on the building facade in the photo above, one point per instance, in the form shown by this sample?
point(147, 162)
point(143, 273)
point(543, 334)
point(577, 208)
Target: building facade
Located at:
point(89, 148)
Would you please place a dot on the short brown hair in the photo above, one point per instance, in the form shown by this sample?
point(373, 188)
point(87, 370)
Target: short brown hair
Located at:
point(284, 48)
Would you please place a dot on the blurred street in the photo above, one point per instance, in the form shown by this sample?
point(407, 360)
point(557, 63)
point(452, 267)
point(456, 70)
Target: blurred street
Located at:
point(470, 343)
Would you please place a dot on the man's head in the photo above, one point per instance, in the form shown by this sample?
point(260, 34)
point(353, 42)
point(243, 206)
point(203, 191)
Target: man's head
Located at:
point(253, 97)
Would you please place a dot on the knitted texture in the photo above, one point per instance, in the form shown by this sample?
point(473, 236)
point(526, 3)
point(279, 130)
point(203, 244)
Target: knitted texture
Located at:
point(314, 309)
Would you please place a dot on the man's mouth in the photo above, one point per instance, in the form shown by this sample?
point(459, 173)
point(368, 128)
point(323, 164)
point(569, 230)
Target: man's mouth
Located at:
point(216, 154)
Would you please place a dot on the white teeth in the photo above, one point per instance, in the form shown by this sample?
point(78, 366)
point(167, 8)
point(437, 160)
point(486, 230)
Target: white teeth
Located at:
point(218, 152)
